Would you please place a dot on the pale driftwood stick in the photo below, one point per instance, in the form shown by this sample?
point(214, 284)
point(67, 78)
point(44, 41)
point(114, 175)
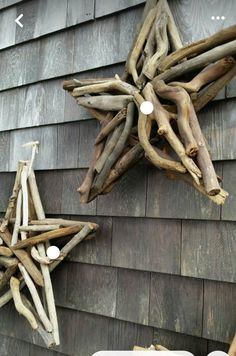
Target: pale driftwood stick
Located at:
point(34, 240)
point(218, 199)
point(76, 239)
point(101, 116)
point(105, 102)
point(207, 75)
point(109, 147)
point(225, 35)
point(207, 95)
point(36, 256)
point(13, 197)
point(25, 209)
point(62, 222)
point(203, 157)
point(139, 348)
point(36, 228)
point(119, 147)
point(150, 4)
point(1, 241)
point(232, 349)
point(46, 336)
point(24, 258)
point(34, 145)
point(36, 299)
point(7, 275)
point(35, 196)
point(20, 307)
point(164, 129)
point(18, 218)
point(75, 83)
point(150, 67)
point(8, 261)
point(173, 33)
point(117, 119)
point(5, 251)
point(182, 100)
point(213, 55)
point(115, 85)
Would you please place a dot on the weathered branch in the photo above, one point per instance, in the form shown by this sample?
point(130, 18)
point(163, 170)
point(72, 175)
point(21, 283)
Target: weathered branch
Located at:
point(173, 33)
point(202, 60)
point(7, 275)
point(18, 218)
point(8, 261)
point(193, 49)
point(5, 251)
point(117, 119)
point(232, 349)
point(105, 102)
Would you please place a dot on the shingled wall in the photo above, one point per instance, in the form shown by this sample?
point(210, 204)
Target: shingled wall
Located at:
point(162, 267)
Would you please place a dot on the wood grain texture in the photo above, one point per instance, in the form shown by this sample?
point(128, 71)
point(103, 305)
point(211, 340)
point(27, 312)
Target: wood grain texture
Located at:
point(105, 7)
point(109, 40)
point(228, 210)
point(97, 282)
point(6, 185)
point(59, 282)
point(6, 3)
point(7, 21)
point(218, 125)
point(4, 150)
point(219, 317)
point(88, 132)
point(11, 104)
point(176, 304)
point(128, 197)
point(208, 250)
point(68, 145)
point(56, 53)
point(194, 18)
point(146, 244)
point(79, 11)
point(124, 335)
point(50, 189)
point(47, 156)
point(30, 10)
point(129, 284)
point(177, 341)
point(175, 199)
point(97, 250)
point(70, 197)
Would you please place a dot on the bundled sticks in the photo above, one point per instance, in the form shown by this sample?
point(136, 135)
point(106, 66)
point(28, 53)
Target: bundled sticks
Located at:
point(170, 137)
point(25, 235)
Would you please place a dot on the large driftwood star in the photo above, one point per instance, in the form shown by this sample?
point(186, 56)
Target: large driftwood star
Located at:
point(170, 137)
point(25, 233)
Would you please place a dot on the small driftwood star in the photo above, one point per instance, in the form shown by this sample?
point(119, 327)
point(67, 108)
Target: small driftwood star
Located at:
point(170, 137)
point(25, 233)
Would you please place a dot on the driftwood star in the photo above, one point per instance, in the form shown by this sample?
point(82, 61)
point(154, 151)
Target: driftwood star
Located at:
point(24, 261)
point(157, 57)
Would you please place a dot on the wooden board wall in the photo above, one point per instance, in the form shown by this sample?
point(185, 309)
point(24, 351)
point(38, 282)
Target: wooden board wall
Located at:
point(162, 266)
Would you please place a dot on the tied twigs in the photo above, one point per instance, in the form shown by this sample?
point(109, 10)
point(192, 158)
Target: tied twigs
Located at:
point(157, 59)
point(25, 236)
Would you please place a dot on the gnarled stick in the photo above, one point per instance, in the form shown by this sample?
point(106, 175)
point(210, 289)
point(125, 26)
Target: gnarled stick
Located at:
point(225, 35)
point(164, 128)
point(173, 33)
point(25, 210)
point(232, 349)
point(75, 83)
point(20, 307)
point(219, 199)
point(5, 251)
point(36, 228)
point(119, 147)
point(114, 85)
point(117, 119)
point(13, 197)
point(8, 261)
point(18, 218)
point(24, 258)
point(207, 75)
point(201, 61)
point(135, 54)
point(36, 256)
point(105, 102)
point(7, 275)
point(182, 100)
point(35, 296)
point(110, 145)
point(203, 157)
point(212, 90)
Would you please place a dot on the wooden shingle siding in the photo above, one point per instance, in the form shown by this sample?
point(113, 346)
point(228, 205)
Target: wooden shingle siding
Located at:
point(229, 209)
point(6, 3)
point(199, 239)
point(105, 7)
point(147, 244)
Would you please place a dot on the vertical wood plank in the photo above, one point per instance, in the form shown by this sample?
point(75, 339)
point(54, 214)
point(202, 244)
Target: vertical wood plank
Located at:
point(87, 135)
point(229, 208)
point(219, 317)
point(176, 303)
point(68, 145)
point(6, 185)
point(146, 244)
point(133, 296)
point(208, 250)
point(4, 150)
point(97, 282)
